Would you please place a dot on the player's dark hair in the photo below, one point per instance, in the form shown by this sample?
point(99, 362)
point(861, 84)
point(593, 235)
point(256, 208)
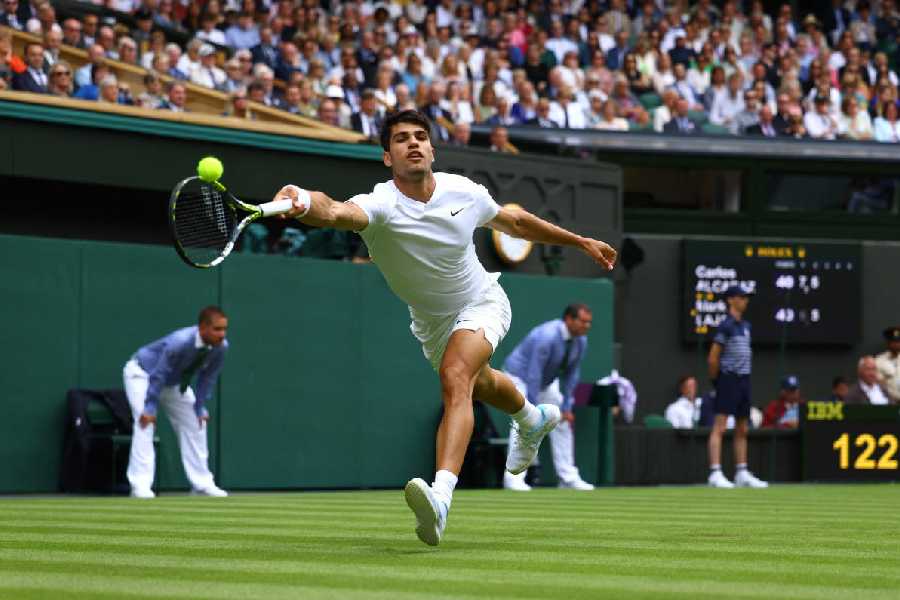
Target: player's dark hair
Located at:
point(837, 381)
point(572, 310)
point(406, 116)
point(209, 313)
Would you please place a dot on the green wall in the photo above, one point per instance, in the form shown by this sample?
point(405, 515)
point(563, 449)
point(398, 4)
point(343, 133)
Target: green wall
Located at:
point(324, 385)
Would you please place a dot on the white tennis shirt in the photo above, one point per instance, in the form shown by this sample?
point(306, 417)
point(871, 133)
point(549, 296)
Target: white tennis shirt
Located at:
point(425, 249)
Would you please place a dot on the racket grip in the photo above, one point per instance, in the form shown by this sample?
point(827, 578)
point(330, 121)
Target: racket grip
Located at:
point(276, 207)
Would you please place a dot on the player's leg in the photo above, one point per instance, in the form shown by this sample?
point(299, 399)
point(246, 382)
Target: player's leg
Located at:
point(192, 442)
point(142, 457)
point(723, 406)
point(466, 353)
point(530, 423)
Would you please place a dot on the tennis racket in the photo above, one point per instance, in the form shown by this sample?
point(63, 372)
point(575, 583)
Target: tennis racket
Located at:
point(206, 220)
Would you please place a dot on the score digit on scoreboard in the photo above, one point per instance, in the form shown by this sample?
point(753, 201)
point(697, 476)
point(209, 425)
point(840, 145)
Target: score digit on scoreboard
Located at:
point(801, 293)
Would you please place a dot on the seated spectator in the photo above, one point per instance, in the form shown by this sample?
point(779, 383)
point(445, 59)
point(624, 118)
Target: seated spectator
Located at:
point(749, 116)
point(207, 73)
point(128, 51)
point(439, 118)
point(143, 33)
point(500, 141)
point(239, 105)
point(795, 126)
point(766, 126)
point(10, 64)
point(888, 364)
point(681, 124)
point(638, 81)
point(662, 114)
point(839, 389)
point(234, 78)
point(487, 104)
point(209, 32)
point(90, 24)
point(106, 37)
point(289, 62)
point(684, 89)
point(328, 112)
point(566, 112)
point(53, 39)
point(784, 411)
point(525, 108)
point(684, 413)
point(887, 126)
point(152, 97)
point(503, 116)
point(173, 56)
point(32, 79)
point(176, 98)
point(266, 50)
point(367, 121)
point(727, 106)
point(627, 104)
point(91, 91)
point(456, 102)
point(266, 76)
point(60, 80)
point(664, 77)
point(542, 116)
point(610, 120)
point(404, 98)
point(462, 133)
point(867, 390)
point(10, 15)
point(819, 122)
point(83, 74)
point(190, 60)
point(112, 92)
point(244, 34)
point(593, 114)
point(854, 124)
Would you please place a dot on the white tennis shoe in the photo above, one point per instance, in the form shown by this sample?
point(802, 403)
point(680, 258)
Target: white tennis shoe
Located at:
point(431, 512)
point(718, 480)
point(515, 483)
point(213, 490)
point(523, 445)
point(576, 484)
point(745, 478)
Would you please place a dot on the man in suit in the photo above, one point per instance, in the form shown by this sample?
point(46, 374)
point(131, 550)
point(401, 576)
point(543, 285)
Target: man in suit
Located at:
point(9, 17)
point(867, 390)
point(160, 374)
point(265, 51)
point(766, 126)
point(681, 124)
point(367, 121)
point(542, 118)
point(33, 79)
point(888, 363)
point(545, 368)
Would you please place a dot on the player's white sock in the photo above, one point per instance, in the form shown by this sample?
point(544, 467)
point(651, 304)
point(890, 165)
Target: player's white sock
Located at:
point(527, 418)
point(444, 484)
point(740, 467)
point(714, 468)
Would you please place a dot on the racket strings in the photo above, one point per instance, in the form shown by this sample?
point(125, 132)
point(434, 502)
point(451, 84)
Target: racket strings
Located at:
point(204, 222)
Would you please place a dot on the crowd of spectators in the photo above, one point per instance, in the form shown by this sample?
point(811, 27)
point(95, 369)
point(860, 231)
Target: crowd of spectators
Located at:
point(662, 65)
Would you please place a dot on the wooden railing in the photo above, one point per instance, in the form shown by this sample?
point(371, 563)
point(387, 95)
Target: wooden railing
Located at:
point(201, 101)
point(332, 134)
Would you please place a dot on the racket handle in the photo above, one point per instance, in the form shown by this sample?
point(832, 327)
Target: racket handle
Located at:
point(276, 207)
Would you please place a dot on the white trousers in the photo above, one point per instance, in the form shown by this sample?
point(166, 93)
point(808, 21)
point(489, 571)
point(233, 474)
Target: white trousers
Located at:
point(562, 439)
point(191, 436)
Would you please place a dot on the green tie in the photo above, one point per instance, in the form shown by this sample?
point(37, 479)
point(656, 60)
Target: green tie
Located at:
point(188, 373)
point(563, 367)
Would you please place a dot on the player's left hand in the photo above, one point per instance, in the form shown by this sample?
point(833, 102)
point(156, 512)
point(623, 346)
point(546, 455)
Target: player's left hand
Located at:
point(202, 419)
point(569, 416)
point(601, 252)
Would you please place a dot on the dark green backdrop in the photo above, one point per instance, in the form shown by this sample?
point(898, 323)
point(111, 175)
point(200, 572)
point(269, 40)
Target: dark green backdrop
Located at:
point(324, 385)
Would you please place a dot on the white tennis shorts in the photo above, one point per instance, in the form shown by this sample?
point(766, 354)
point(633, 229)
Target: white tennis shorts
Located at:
point(490, 312)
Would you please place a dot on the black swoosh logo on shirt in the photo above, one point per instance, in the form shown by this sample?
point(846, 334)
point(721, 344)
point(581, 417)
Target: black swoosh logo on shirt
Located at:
point(453, 214)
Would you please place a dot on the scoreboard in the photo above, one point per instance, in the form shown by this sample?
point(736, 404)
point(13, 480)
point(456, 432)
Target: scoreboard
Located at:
point(843, 442)
point(800, 293)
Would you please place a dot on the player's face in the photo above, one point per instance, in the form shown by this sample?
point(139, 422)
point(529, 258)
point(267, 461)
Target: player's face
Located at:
point(739, 303)
point(410, 152)
point(213, 331)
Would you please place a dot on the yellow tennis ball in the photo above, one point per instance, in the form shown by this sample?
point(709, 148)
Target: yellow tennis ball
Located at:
point(210, 169)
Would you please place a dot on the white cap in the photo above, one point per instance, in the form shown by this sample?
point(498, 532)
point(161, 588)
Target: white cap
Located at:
point(334, 91)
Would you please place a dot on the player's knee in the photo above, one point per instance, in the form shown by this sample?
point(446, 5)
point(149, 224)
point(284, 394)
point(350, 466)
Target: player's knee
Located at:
point(485, 383)
point(454, 377)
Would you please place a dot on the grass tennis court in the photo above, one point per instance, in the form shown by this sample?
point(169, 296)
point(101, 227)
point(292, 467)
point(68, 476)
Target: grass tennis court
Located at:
point(785, 542)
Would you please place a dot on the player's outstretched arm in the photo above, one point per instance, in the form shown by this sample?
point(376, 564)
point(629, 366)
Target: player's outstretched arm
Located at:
point(520, 223)
point(319, 210)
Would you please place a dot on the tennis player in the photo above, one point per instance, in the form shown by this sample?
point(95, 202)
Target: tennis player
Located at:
point(418, 227)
